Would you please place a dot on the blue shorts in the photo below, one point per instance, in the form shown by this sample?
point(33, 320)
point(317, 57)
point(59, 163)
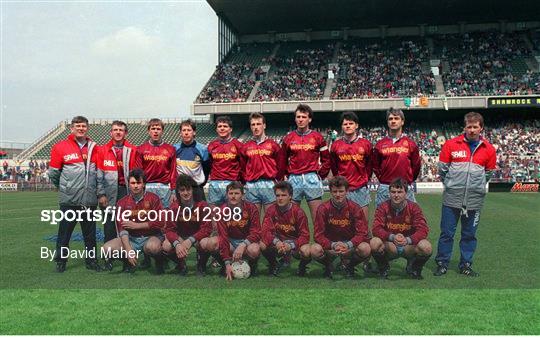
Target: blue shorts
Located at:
point(235, 243)
point(383, 194)
point(162, 190)
point(217, 192)
point(260, 192)
point(308, 186)
point(360, 196)
point(137, 243)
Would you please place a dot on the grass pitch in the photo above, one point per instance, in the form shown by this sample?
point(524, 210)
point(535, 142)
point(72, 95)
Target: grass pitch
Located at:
point(503, 300)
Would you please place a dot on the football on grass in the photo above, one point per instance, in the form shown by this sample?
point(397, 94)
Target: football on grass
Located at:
point(240, 269)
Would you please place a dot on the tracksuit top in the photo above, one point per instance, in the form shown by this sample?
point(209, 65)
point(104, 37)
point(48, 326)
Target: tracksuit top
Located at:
point(464, 173)
point(112, 168)
point(73, 170)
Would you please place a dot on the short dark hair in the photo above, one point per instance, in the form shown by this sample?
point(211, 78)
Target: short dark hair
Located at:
point(284, 185)
point(154, 122)
point(304, 108)
point(474, 117)
point(120, 123)
point(79, 119)
point(399, 183)
point(188, 122)
point(349, 115)
point(338, 181)
point(256, 115)
point(137, 174)
point(235, 185)
point(397, 112)
point(184, 181)
point(224, 119)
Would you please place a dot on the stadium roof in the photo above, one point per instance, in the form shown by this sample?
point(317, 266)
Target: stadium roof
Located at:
point(285, 16)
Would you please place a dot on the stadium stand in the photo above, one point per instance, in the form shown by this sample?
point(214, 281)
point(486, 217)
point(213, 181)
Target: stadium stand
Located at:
point(383, 68)
point(480, 63)
point(298, 72)
point(234, 79)
point(486, 63)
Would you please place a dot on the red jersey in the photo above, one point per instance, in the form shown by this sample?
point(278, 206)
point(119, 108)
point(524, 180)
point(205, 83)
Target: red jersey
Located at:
point(289, 225)
point(262, 160)
point(340, 225)
point(225, 159)
point(193, 225)
point(352, 160)
point(139, 214)
point(158, 163)
point(248, 227)
point(410, 222)
point(303, 151)
point(396, 159)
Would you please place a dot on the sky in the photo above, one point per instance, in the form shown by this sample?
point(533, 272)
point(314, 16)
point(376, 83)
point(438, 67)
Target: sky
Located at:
point(103, 59)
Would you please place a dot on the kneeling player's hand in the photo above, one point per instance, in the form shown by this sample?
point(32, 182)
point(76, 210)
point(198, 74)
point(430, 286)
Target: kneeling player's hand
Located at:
point(239, 252)
point(286, 248)
point(341, 248)
point(228, 272)
point(400, 240)
point(132, 259)
point(181, 251)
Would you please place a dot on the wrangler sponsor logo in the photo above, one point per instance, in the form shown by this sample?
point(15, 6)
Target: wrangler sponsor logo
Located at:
point(339, 222)
point(157, 158)
point(237, 224)
point(528, 187)
point(259, 152)
point(285, 227)
point(459, 154)
point(351, 157)
point(305, 147)
point(399, 226)
point(71, 157)
point(223, 156)
point(398, 150)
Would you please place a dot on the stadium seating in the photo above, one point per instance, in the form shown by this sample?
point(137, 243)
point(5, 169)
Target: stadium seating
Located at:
point(486, 63)
point(298, 72)
point(383, 68)
point(232, 82)
point(482, 63)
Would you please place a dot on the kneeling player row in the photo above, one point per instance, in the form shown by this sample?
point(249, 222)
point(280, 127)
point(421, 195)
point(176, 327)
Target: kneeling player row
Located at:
point(340, 229)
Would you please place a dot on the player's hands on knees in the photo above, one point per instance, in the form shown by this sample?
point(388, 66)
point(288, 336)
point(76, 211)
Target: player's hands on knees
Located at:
point(132, 259)
point(400, 240)
point(341, 248)
point(283, 247)
point(239, 252)
point(103, 201)
point(181, 251)
point(228, 272)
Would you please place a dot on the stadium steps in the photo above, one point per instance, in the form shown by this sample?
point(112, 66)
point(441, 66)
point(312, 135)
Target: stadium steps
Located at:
point(42, 141)
point(439, 85)
point(254, 91)
point(330, 84)
point(275, 50)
